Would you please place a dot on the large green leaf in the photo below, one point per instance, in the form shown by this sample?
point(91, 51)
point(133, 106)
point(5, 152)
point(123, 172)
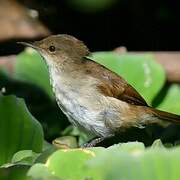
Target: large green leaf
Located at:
point(72, 163)
point(134, 163)
point(124, 161)
point(102, 164)
point(31, 68)
point(18, 128)
point(171, 102)
point(141, 71)
point(69, 164)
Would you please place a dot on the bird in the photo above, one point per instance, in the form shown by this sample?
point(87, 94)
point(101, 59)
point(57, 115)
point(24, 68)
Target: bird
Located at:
point(94, 98)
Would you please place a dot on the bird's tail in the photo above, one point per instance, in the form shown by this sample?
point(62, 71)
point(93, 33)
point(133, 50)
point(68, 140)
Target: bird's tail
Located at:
point(169, 117)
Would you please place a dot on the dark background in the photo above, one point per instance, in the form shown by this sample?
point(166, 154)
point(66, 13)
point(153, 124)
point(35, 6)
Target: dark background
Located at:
point(139, 25)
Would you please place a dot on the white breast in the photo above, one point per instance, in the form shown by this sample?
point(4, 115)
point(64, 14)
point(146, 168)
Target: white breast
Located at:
point(76, 102)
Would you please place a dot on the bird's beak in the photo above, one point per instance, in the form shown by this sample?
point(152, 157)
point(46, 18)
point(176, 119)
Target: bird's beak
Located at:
point(32, 45)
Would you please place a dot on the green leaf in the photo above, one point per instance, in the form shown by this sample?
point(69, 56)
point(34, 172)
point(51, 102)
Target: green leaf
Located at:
point(69, 164)
point(15, 172)
point(171, 102)
point(41, 172)
point(42, 158)
point(157, 144)
point(123, 161)
point(141, 71)
point(18, 128)
point(31, 68)
point(25, 157)
point(75, 131)
point(65, 142)
point(132, 147)
point(156, 164)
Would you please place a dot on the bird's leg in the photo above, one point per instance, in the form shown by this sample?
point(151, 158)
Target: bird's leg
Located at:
point(94, 142)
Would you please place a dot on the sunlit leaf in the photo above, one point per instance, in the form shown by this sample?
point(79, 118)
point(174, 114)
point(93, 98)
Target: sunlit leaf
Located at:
point(156, 164)
point(171, 102)
point(141, 71)
point(69, 164)
point(41, 172)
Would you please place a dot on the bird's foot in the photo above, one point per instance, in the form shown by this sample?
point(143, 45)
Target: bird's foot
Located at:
point(94, 142)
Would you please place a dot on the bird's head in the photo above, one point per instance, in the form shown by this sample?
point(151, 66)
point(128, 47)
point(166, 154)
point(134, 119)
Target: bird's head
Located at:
point(60, 50)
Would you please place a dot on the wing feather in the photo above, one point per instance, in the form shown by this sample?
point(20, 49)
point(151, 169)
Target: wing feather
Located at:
point(113, 85)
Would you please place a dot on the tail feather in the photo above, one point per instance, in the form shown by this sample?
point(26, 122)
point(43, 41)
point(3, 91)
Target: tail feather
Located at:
point(170, 117)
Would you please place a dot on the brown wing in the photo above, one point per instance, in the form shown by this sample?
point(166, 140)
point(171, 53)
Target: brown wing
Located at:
point(113, 85)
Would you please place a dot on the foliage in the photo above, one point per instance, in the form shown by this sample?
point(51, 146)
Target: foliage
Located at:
point(31, 68)
point(25, 154)
point(18, 129)
point(171, 102)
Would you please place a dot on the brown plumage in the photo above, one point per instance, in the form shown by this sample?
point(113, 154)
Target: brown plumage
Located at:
point(113, 85)
point(93, 97)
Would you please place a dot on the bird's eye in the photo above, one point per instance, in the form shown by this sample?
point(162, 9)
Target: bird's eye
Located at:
point(52, 48)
